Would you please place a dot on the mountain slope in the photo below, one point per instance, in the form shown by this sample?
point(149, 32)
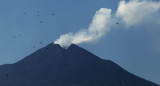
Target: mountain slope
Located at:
point(55, 66)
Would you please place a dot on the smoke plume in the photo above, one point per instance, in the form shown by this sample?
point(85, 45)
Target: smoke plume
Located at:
point(130, 13)
point(99, 26)
point(135, 11)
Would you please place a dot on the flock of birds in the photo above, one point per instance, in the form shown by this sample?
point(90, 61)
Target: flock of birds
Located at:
point(14, 36)
point(19, 35)
point(38, 14)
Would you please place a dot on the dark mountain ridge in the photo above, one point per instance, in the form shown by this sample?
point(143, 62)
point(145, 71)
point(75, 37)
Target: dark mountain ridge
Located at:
point(74, 66)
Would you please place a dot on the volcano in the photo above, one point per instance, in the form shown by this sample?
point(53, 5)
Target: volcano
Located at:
point(55, 66)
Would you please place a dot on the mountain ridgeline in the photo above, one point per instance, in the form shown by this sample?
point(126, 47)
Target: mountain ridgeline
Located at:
point(74, 66)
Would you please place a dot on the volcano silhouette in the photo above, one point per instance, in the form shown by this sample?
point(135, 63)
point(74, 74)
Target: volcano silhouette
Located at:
point(74, 66)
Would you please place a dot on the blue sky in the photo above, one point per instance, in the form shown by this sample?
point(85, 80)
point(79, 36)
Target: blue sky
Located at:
point(26, 23)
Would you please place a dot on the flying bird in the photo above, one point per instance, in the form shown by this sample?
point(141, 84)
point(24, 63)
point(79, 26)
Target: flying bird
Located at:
point(6, 75)
point(14, 36)
point(53, 14)
point(41, 42)
point(41, 21)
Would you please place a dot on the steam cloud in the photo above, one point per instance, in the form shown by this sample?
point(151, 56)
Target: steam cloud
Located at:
point(135, 11)
point(99, 26)
point(131, 13)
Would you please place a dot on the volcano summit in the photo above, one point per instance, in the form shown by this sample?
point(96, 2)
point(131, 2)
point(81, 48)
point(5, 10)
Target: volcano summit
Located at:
point(74, 66)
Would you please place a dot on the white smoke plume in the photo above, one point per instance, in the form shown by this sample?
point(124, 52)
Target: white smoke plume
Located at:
point(135, 11)
point(99, 26)
point(131, 13)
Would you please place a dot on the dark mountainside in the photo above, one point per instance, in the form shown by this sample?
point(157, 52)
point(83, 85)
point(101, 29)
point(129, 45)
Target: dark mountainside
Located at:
point(55, 66)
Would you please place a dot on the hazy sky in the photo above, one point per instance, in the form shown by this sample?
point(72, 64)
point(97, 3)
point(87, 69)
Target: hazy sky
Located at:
point(133, 44)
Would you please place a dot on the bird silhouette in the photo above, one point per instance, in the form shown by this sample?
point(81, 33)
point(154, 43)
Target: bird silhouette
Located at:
point(53, 14)
point(41, 42)
point(41, 21)
point(6, 75)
